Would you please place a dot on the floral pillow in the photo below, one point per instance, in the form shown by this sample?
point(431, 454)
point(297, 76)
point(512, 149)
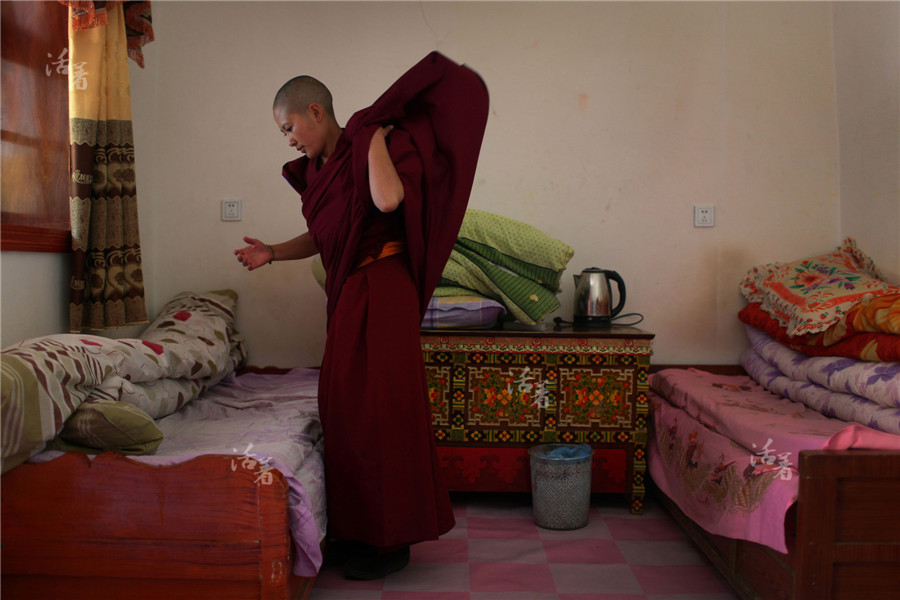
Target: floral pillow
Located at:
point(809, 295)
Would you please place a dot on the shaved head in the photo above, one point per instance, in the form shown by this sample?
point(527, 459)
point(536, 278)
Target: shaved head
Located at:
point(298, 93)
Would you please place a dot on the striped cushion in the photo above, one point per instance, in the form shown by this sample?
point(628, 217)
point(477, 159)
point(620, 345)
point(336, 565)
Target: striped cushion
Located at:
point(111, 425)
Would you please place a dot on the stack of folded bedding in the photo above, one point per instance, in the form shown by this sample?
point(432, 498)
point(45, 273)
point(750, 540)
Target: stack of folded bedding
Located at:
point(844, 388)
point(868, 331)
point(825, 331)
point(836, 304)
point(511, 264)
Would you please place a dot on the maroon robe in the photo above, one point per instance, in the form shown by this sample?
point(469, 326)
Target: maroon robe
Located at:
point(383, 479)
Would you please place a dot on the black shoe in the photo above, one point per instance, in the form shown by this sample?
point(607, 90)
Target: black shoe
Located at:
point(338, 552)
point(376, 566)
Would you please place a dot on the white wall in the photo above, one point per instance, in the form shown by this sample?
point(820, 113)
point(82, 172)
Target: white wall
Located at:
point(609, 121)
point(867, 47)
point(34, 297)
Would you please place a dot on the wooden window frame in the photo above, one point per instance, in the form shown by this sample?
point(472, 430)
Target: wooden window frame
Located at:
point(34, 34)
point(24, 238)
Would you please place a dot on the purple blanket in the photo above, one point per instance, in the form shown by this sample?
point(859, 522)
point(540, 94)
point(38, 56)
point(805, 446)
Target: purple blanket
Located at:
point(851, 390)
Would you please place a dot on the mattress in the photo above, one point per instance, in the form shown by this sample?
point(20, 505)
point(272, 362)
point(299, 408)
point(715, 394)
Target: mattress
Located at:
point(724, 449)
point(267, 422)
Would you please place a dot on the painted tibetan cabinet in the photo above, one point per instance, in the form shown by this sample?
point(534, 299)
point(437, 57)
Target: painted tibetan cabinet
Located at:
point(496, 393)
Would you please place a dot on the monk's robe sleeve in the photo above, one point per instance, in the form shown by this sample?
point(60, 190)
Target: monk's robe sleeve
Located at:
point(408, 163)
point(443, 107)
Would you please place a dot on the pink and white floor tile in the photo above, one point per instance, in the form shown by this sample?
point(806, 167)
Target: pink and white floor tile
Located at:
point(496, 552)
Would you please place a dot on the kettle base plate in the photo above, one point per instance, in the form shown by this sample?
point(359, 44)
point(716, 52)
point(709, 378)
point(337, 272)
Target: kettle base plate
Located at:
point(592, 322)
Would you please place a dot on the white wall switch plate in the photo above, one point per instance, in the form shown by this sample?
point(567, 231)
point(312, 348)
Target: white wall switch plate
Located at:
point(231, 210)
point(704, 216)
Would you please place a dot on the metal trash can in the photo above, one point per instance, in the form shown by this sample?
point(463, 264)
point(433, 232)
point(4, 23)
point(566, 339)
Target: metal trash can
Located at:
point(561, 485)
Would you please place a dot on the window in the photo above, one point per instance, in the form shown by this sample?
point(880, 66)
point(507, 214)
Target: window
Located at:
point(35, 130)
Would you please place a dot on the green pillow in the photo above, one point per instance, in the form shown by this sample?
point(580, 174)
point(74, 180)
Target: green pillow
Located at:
point(112, 425)
point(515, 246)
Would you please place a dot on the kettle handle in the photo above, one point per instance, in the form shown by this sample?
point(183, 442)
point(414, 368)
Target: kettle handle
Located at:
point(621, 287)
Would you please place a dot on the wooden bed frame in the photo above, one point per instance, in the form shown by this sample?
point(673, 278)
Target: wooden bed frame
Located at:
point(843, 534)
point(116, 528)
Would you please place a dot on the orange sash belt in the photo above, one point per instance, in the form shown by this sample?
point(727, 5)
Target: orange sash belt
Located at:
point(389, 249)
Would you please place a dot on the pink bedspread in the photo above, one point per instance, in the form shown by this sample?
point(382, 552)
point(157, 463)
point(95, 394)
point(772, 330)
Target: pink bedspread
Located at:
point(268, 422)
point(725, 450)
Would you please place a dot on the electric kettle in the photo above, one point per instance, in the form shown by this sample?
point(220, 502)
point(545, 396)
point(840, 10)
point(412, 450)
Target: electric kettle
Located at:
point(593, 297)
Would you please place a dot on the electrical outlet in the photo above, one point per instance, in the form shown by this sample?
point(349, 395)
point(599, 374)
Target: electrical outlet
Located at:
point(704, 216)
point(231, 210)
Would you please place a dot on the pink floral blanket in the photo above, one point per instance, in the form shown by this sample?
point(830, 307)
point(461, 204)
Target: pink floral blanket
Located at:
point(725, 450)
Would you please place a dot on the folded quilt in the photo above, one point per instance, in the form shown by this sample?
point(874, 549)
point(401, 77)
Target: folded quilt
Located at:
point(880, 314)
point(462, 312)
point(526, 300)
point(188, 348)
point(869, 331)
point(875, 381)
point(847, 407)
point(516, 246)
point(509, 261)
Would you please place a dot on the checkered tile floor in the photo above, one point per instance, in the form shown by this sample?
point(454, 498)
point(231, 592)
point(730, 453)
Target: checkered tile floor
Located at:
point(496, 552)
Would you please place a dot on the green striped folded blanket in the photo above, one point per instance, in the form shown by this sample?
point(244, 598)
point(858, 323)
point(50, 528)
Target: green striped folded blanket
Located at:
point(509, 261)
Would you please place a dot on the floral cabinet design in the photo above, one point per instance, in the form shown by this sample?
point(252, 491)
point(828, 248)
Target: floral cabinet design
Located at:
point(495, 393)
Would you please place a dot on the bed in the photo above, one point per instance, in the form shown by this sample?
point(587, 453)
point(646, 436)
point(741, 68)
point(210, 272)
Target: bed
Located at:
point(786, 469)
point(149, 468)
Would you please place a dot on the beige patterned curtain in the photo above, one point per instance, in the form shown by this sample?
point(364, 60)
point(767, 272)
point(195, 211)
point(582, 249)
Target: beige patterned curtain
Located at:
point(107, 279)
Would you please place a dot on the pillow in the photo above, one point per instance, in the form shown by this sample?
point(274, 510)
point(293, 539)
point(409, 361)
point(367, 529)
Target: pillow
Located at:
point(462, 312)
point(112, 425)
point(809, 295)
point(515, 246)
point(199, 334)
